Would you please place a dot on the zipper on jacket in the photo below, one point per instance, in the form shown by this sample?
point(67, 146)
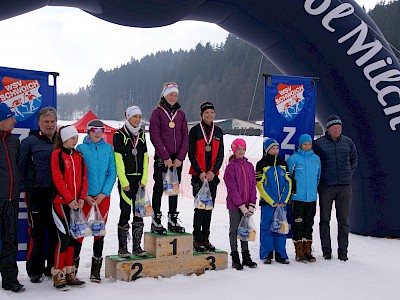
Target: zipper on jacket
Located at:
point(9, 169)
point(245, 184)
point(73, 170)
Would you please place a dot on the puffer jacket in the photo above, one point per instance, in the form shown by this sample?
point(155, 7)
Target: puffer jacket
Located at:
point(10, 178)
point(240, 183)
point(100, 163)
point(338, 159)
point(169, 141)
point(34, 160)
point(306, 167)
point(273, 181)
point(69, 175)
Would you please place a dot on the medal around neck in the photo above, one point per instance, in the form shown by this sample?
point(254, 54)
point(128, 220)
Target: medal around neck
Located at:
point(134, 151)
point(208, 148)
point(171, 124)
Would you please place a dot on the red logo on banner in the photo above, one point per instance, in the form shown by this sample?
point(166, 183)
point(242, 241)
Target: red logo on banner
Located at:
point(290, 100)
point(22, 96)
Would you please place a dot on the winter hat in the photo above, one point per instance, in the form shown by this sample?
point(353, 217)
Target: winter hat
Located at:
point(131, 111)
point(332, 120)
point(68, 132)
point(5, 112)
point(204, 106)
point(304, 138)
point(236, 143)
point(269, 143)
point(94, 124)
point(170, 87)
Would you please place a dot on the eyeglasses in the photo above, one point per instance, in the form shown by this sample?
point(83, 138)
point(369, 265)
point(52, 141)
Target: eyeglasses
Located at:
point(97, 130)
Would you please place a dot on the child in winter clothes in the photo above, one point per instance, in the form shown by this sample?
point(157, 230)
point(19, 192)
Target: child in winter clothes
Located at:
point(169, 135)
point(240, 183)
point(130, 151)
point(274, 185)
point(206, 154)
point(99, 158)
point(305, 171)
point(70, 180)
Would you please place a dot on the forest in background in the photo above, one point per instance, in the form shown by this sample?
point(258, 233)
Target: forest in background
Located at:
point(223, 73)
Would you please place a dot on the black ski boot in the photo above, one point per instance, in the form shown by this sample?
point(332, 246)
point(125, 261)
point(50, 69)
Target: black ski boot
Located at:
point(247, 260)
point(137, 232)
point(198, 243)
point(156, 226)
point(123, 233)
point(268, 260)
point(95, 269)
point(207, 245)
point(236, 261)
point(173, 224)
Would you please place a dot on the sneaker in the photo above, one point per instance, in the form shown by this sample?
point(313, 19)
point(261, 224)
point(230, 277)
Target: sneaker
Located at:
point(15, 287)
point(36, 278)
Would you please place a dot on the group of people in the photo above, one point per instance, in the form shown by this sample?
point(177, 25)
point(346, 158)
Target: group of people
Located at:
point(60, 176)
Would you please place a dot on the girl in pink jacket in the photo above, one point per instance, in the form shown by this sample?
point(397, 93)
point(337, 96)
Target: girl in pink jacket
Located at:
point(240, 183)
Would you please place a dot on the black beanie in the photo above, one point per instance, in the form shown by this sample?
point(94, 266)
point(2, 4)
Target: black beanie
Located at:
point(204, 106)
point(332, 120)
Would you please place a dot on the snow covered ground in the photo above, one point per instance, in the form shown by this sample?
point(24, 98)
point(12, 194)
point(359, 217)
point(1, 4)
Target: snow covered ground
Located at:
point(372, 272)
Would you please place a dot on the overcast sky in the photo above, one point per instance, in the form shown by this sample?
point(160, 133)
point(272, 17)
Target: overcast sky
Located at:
point(76, 44)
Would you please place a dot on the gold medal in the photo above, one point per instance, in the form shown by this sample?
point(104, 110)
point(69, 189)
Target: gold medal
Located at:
point(208, 148)
point(171, 124)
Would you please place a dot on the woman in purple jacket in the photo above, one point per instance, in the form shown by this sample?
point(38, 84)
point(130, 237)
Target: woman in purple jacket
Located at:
point(240, 183)
point(169, 135)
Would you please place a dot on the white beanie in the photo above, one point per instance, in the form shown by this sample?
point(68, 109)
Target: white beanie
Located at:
point(131, 111)
point(170, 88)
point(68, 132)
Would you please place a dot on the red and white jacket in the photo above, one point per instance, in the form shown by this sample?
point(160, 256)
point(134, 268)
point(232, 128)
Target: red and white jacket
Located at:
point(69, 175)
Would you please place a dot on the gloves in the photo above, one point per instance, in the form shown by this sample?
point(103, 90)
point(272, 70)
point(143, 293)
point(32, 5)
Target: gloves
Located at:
point(252, 208)
point(245, 211)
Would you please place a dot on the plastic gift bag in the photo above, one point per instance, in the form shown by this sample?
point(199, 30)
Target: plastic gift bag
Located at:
point(246, 230)
point(171, 182)
point(96, 221)
point(142, 204)
point(78, 226)
point(203, 199)
point(279, 222)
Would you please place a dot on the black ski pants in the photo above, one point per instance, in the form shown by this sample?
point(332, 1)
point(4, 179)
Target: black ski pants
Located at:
point(303, 219)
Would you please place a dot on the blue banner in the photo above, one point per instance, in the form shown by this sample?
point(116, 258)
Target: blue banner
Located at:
point(26, 92)
point(289, 110)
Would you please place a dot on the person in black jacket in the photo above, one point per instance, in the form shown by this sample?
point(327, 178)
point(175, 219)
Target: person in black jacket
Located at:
point(10, 180)
point(35, 169)
point(338, 161)
point(206, 154)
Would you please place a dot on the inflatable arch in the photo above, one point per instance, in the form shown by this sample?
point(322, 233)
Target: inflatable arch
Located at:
point(332, 39)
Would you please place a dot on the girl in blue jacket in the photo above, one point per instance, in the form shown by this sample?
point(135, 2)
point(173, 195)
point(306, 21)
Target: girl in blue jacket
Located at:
point(100, 163)
point(305, 170)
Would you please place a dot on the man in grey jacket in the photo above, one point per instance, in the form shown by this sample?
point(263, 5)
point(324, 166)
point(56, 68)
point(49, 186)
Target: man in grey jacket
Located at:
point(10, 180)
point(338, 161)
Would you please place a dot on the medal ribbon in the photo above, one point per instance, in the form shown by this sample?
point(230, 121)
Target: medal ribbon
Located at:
point(170, 118)
point(136, 138)
point(209, 138)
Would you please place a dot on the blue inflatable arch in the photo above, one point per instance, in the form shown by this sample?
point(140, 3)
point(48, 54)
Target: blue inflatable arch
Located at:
point(332, 39)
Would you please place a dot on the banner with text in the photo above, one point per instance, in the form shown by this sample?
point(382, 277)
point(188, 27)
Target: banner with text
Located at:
point(289, 110)
point(26, 92)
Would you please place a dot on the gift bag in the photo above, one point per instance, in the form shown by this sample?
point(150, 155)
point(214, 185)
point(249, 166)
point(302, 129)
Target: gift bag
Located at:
point(142, 204)
point(171, 182)
point(246, 230)
point(96, 221)
point(203, 199)
point(78, 226)
point(279, 221)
